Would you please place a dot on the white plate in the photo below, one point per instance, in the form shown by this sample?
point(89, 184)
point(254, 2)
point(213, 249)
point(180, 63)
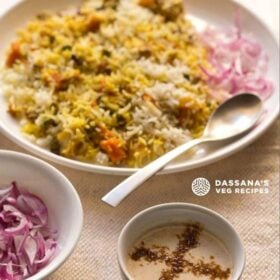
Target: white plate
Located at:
point(215, 12)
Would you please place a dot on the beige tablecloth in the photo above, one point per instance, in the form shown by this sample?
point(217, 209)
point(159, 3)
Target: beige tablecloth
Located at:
point(255, 216)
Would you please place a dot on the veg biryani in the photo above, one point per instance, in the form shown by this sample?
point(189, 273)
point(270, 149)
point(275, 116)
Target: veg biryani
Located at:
point(111, 82)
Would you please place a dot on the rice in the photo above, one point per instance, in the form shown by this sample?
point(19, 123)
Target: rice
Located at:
point(115, 83)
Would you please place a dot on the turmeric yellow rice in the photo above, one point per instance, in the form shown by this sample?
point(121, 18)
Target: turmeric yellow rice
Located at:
point(110, 82)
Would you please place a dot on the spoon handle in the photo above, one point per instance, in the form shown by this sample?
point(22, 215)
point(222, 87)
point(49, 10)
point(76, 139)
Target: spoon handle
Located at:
point(121, 191)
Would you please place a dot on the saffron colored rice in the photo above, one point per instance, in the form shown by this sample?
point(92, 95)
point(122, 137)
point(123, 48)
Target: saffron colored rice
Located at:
point(116, 83)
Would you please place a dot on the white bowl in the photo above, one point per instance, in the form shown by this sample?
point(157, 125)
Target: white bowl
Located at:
point(59, 195)
point(180, 213)
point(215, 12)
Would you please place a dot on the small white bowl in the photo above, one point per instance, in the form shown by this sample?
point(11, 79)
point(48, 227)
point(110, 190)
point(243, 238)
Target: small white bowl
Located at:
point(180, 213)
point(59, 195)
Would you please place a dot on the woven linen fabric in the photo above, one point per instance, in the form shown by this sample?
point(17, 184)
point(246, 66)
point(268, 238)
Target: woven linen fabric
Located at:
point(254, 216)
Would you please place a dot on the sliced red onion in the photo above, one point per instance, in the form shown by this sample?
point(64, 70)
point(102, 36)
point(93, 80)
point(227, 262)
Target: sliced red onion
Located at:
point(6, 191)
point(31, 249)
point(33, 206)
point(27, 243)
point(48, 255)
point(238, 62)
point(19, 241)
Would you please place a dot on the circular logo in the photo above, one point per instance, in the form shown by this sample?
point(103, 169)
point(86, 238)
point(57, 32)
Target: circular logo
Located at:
point(201, 186)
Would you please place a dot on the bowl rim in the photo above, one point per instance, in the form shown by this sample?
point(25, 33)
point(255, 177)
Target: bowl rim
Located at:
point(217, 155)
point(179, 205)
point(41, 274)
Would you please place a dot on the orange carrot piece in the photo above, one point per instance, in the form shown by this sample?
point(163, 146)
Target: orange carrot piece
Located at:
point(113, 149)
point(14, 54)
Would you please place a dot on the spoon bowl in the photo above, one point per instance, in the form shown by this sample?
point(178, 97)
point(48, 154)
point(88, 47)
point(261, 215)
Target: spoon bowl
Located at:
point(232, 118)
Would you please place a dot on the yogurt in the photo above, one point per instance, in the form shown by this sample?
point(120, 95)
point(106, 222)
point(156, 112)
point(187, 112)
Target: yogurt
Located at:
point(198, 253)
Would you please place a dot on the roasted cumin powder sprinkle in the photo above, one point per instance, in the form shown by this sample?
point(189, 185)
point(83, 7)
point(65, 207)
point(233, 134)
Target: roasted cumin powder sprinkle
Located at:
point(176, 262)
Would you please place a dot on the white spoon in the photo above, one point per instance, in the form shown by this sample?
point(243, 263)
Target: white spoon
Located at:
point(232, 118)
